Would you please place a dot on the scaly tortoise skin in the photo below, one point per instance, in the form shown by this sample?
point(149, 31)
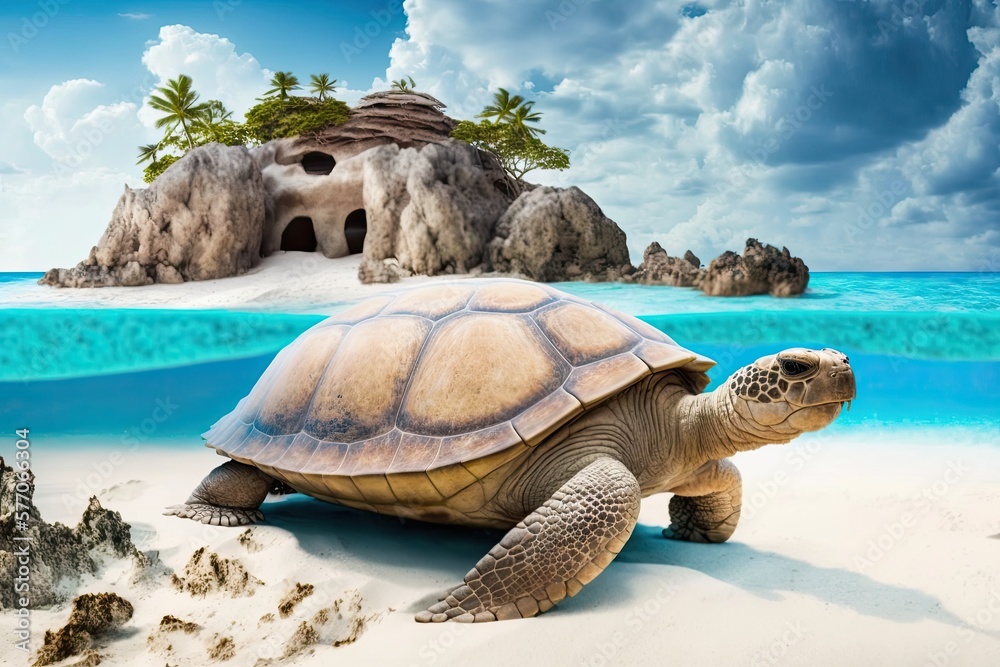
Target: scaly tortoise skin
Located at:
point(509, 404)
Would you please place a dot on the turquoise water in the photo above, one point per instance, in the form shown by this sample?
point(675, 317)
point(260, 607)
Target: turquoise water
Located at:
point(925, 347)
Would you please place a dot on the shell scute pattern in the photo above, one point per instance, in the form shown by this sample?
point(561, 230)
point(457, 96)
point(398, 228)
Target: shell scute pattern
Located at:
point(421, 394)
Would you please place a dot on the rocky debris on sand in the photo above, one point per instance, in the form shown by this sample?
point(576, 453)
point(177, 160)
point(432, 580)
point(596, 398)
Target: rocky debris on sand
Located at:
point(293, 597)
point(207, 572)
point(762, 269)
point(93, 615)
point(60, 554)
point(552, 234)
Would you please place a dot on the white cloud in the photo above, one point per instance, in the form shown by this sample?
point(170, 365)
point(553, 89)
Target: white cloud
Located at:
point(57, 217)
point(786, 121)
point(133, 16)
point(78, 126)
point(217, 70)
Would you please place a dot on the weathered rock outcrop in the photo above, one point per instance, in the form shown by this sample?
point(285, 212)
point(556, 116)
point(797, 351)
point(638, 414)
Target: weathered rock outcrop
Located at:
point(763, 269)
point(550, 234)
point(659, 268)
point(201, 219)
point(58, 553)
point(430, 211)
point(93, 615)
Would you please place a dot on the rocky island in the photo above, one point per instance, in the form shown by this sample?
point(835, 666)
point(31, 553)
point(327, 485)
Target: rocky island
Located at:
point(391, 184)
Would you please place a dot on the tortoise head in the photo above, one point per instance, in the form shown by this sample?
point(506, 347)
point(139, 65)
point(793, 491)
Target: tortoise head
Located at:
point(793, 391)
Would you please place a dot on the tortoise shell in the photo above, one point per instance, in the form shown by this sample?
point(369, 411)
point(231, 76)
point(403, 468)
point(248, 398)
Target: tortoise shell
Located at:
point(411, 397)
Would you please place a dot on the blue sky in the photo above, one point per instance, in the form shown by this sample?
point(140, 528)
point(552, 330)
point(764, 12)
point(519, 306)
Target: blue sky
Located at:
point(862, 134)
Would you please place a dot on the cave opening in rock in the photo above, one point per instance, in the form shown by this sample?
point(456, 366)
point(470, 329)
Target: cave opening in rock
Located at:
point(299, 235)
point(318, 163)
point(355, 228)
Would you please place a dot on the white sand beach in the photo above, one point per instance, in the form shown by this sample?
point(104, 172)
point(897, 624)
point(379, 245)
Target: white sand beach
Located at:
point(286, 281)
point(851, 551)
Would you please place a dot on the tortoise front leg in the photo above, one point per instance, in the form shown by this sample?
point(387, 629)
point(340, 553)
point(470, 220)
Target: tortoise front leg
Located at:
point(228, 496)
point(552, 553)
point(707, 508)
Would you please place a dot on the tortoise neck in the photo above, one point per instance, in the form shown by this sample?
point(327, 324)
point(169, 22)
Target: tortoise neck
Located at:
point(709, 428)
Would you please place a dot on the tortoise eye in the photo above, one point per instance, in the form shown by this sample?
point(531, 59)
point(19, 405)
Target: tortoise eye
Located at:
point(791, 368)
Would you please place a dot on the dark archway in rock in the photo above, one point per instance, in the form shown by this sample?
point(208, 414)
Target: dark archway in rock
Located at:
point(299, 235)
point(355, 228)
point(318, 163)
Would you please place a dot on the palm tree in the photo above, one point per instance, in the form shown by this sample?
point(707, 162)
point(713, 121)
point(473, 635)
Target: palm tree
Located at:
point(147, 153)
point(178, 101)
point(523, 114)
point(404, 86)
point(283, 82)
point(210, 121)
point(504, 105)
point(321, 85)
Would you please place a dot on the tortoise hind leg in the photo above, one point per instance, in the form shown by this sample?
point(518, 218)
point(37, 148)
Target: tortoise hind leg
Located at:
point(552, 553)
point(228, 496)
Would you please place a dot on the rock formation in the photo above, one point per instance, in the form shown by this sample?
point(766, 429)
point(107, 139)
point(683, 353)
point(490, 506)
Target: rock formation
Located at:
point(390, 182)
point(659, 268)
point(432, 211)
point(58, 553)
point(762, 269)
point(201, 219)
point(551, 234)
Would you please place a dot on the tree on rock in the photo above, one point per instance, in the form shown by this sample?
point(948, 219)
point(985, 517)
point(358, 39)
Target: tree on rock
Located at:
point(509, 137)
point(283, 83)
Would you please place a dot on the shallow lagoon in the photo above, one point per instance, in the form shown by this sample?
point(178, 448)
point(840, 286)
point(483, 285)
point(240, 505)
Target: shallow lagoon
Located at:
point(926, 349)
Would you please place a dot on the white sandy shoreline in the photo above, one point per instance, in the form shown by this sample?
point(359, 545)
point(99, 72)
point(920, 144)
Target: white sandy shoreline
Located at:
point(288, 281)
point(849, 552)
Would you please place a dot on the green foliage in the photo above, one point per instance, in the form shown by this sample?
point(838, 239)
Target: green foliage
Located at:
point(321, 85)
point(179, 102)
point(519, 151)
point(157, 167)
point(283, 82)
point(404, 85)
point(513, 109)
point(275, 118)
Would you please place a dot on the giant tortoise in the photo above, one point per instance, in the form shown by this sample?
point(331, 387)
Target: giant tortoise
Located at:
point(512, 405)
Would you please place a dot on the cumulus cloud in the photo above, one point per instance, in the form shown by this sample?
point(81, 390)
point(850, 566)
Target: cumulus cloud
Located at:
point(701, 125)
point(217, 70)
point(78, 124)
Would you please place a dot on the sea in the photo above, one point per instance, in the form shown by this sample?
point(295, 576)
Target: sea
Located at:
point(925, 348)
